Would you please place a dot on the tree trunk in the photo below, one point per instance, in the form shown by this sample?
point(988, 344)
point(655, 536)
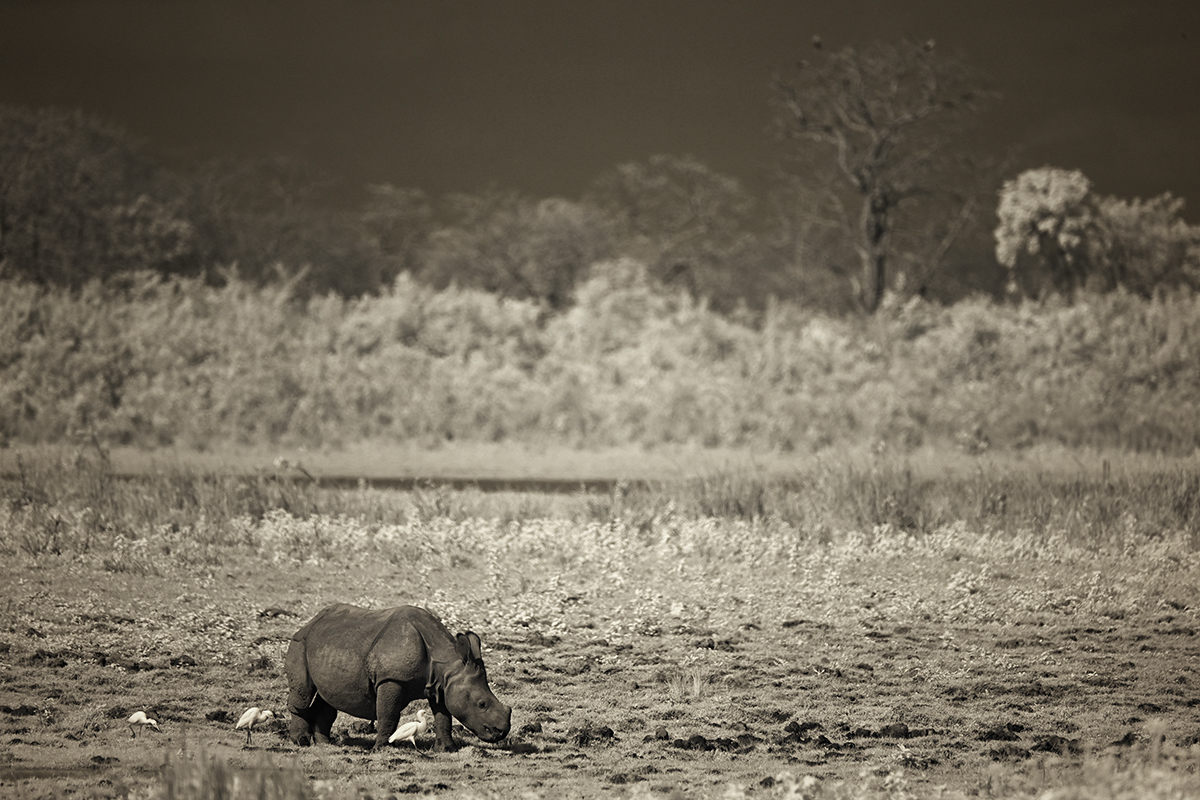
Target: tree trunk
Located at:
point(875, 224)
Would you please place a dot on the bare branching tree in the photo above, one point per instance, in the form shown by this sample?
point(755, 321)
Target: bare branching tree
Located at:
point(886, 112)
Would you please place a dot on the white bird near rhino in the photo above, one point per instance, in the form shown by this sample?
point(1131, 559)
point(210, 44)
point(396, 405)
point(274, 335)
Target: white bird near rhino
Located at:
point(409, 731)
point(139, 719)
point(250, 717)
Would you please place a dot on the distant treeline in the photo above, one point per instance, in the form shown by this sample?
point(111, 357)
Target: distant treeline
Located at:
point(81, 199)
point(143, 360)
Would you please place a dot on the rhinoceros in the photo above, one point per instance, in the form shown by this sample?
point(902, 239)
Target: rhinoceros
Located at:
point(372, 663)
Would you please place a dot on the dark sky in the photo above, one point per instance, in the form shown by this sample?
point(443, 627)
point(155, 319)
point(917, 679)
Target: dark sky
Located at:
point(542, 95)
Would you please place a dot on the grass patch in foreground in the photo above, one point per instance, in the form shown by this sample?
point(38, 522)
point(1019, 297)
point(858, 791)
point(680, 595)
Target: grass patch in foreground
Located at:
point(1154, 771)
point(198, 776)
point(975, 657)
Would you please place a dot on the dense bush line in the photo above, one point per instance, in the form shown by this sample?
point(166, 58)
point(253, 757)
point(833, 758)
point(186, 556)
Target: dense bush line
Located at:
point(146, 361)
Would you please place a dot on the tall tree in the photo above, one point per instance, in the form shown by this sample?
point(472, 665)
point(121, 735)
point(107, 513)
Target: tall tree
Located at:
point(691, 225)
point(79, 200)
point(886, 113)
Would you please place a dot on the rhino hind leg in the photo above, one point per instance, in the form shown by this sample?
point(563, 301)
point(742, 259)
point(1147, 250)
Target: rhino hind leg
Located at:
point(321, 716)
point(312, 724)
point(299, 731)
point(312, 717)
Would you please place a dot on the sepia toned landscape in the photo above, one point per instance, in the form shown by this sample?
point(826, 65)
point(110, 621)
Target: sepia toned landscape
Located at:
point(799, 401)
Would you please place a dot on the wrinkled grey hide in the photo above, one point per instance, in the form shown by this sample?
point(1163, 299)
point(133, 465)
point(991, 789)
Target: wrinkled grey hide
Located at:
point(371, 664)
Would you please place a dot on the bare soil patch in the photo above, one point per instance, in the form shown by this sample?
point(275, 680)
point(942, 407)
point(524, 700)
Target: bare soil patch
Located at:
point(642, 651)
point(839, 690)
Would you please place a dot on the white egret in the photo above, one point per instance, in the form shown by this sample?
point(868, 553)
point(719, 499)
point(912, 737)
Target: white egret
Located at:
point(251, 717)
point(139, 718)
point(409, 731)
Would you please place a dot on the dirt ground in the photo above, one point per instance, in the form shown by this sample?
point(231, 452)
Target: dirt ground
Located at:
point(851, 687)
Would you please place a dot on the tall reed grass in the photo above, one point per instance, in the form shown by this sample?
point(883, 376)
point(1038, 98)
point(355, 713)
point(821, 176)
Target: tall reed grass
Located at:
point(60, 503)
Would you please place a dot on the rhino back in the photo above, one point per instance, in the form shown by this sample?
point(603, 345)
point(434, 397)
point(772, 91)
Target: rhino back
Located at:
point(336, 644)
point(351, 650)
point(403, 649)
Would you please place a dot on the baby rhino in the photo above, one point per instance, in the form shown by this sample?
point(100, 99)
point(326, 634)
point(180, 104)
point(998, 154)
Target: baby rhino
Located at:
point(371, 664)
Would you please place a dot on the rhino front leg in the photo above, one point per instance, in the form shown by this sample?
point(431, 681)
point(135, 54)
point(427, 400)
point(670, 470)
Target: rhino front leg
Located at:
point(389, 702)
point(443, 741)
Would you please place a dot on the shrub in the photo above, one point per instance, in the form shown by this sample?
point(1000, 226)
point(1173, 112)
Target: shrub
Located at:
point(1054, 233)
point(147, 362)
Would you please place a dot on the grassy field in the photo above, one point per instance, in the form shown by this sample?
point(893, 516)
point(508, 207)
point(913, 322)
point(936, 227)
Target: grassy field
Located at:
point(865, 626)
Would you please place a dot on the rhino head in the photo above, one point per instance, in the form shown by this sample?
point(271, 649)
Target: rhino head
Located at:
point(464, 690)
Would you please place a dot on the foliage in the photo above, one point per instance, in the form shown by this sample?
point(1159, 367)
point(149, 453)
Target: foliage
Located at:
point(514, 246)
point(79, 199)
point(1045, 212)
point(82, 200)
point(267, 220)
point(143, 361)
point(1080, 240)
point(688, 224)
point(397, 220)
point(1147, 246)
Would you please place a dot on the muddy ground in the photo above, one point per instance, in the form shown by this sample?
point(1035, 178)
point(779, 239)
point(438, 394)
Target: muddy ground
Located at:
point(873, 677)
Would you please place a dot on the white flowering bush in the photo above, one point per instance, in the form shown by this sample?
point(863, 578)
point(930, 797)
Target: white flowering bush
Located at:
point(1053, 231)
point(1046, 212)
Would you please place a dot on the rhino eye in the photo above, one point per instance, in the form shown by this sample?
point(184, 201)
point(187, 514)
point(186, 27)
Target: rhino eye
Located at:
point(483, 703)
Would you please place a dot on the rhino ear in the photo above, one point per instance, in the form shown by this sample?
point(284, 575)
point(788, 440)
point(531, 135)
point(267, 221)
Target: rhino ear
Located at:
point(468, 647)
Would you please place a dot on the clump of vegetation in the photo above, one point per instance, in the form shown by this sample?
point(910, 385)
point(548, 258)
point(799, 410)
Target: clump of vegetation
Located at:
point(631, 362)
point(1054, 233)
point(73, 501)
point(198, 776)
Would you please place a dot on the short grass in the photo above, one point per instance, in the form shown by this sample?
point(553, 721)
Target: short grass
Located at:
point(867, 628)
